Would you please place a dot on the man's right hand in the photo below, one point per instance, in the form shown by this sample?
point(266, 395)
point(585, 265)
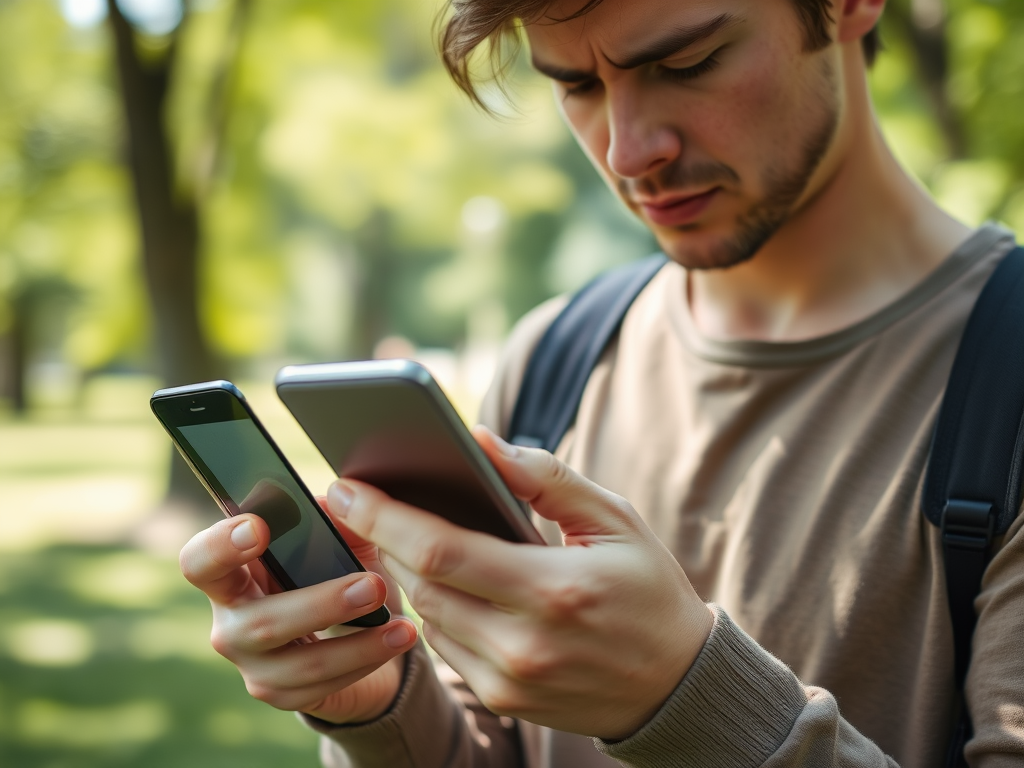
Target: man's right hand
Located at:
point(268, 634)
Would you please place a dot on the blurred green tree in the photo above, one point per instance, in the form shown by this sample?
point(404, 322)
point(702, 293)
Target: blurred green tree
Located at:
point(950, 93)
point(314, 183)
point(168, 210)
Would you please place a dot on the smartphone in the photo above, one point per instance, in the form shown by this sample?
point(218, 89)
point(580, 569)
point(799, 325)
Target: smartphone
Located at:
point(235, 459)
point(387, 423)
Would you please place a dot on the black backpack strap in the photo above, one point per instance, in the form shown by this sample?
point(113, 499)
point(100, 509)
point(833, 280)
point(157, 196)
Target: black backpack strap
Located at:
point(972, 489)
point(557, 374)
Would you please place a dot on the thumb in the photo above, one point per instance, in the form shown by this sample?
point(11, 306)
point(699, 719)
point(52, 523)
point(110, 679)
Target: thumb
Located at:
point(556, 492)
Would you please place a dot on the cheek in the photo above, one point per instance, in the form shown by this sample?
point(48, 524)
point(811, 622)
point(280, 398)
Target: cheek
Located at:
point(754, 119)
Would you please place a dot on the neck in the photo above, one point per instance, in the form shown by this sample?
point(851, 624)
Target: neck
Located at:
point(867, 235)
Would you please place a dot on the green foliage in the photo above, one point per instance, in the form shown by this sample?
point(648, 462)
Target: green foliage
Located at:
point(984, 89)
point(328, 141)
point(66, 223)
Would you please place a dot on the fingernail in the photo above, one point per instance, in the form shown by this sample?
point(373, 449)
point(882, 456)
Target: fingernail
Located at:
point(339, 499)
point(243, 536)
point(363, 592)
point(398, 635)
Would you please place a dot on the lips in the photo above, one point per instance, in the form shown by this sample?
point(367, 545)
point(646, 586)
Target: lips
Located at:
point(678, 210)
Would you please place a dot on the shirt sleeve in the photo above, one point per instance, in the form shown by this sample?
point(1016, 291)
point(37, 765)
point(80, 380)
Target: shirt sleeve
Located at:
point(740, 707)
point(430, 725)
point(995, 679)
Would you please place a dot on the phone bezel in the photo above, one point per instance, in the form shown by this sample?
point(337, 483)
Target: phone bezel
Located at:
point(223, 401)
point(410, 373)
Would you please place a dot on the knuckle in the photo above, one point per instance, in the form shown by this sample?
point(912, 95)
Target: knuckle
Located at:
point(221, 642)
point(261, 630)
point(528, 660)
point(188, 563)
point(425, 598)
point(624, 509)
point(557, 471)
point(437, 558)
point(261, 692)
point(314, 666)
point(567, 600)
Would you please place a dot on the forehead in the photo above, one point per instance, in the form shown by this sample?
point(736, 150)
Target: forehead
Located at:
point(618, 25)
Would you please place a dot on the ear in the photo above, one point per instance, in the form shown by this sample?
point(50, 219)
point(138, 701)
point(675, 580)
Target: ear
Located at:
point(856, 18)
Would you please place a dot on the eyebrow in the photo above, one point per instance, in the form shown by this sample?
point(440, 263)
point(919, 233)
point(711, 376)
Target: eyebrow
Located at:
point(675, 41)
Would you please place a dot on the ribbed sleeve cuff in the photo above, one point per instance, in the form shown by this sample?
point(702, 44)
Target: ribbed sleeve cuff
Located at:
point(733, 709)
point(410, 734)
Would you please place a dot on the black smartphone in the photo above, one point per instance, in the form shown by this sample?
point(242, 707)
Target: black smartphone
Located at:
point(388, 424)
point(236, 460)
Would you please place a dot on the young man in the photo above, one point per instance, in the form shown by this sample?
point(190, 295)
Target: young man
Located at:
point(746, 578)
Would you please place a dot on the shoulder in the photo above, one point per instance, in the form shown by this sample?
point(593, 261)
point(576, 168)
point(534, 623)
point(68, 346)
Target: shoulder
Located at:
point(497, 405)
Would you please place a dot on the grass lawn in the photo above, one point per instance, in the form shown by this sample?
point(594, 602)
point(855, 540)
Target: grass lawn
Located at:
point(107, 663)
point(104, 651)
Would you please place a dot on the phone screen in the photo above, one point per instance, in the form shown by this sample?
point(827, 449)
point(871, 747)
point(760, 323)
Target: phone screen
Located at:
point(388, 424)
point(249, 476)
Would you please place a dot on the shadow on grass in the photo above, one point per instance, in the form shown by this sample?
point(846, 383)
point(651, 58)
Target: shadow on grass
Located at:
point(105, 661)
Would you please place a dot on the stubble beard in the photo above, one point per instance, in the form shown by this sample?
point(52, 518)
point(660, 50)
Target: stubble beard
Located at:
point(784, 189)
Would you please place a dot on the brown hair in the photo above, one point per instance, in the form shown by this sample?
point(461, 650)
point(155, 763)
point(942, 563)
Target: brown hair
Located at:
point(470, 23)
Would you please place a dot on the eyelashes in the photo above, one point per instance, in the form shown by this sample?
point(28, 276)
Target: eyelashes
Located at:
point(689, 73)
point(672, 74)
point(582, 89)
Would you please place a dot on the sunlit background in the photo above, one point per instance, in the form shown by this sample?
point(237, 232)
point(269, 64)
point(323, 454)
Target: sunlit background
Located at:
point(312, 188)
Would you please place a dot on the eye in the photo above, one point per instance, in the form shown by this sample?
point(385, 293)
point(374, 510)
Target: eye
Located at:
point(582, 88)
point(689, 73)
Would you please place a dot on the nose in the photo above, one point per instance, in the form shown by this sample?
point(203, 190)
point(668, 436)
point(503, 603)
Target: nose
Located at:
point(640, 141)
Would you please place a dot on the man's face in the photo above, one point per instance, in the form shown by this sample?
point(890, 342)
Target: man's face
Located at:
point(708, 117)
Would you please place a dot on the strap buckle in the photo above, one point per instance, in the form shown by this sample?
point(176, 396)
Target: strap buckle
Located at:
point(968, 525)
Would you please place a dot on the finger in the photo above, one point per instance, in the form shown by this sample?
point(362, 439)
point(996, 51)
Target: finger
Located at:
point(580, 507)
point(214, 560)
point(476, 624)
point(489, 684)
point(276, 620)
point(311, 697)
point(432, 547)
point(365, 551)
point(297, 667)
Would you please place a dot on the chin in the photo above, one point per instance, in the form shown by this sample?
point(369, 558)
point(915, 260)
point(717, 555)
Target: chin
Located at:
point(695, 247)
point(707, 246)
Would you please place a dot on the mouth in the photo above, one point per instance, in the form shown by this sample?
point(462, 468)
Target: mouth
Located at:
point(677, 210)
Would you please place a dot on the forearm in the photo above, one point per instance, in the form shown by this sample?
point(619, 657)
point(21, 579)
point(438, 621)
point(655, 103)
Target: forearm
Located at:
point(738, 706)
point(430, 726)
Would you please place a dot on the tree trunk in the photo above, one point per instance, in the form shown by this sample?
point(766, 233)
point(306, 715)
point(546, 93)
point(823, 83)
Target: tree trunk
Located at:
point(15, 350)
point(169, 224)
point(377, 266)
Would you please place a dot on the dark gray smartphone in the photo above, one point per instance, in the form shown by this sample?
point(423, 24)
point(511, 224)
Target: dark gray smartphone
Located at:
point(387, 423)
point(236, 460)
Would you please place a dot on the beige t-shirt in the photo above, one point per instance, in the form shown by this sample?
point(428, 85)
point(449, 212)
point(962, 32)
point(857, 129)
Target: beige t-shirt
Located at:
point(785, 478)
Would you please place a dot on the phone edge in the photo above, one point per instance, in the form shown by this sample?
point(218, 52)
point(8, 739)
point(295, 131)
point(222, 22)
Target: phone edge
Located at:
point(376, 617)
point(416, 373)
